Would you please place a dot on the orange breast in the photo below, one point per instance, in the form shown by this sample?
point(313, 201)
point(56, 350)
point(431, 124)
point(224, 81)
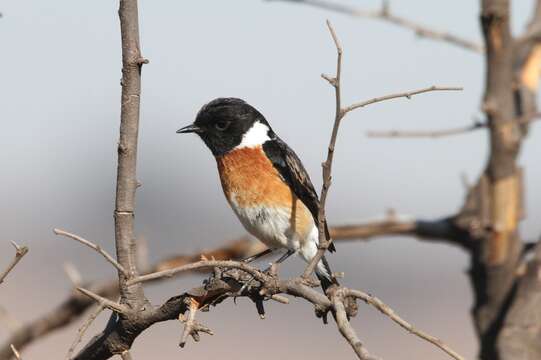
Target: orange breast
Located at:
point(250, 180)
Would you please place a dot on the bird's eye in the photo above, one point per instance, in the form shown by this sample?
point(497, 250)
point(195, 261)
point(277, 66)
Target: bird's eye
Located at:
point(221, 125)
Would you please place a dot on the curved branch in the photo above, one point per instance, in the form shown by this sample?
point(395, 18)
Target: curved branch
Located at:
point(384, 14)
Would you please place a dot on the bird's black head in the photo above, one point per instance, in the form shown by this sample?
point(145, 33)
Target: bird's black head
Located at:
point(226, 123)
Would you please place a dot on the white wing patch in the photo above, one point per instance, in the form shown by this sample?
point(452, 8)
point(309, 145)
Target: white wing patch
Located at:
point(255, 136)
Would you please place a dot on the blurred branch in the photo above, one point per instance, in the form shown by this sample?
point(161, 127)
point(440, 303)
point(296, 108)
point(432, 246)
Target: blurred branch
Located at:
point(20, 252)
point(524, 120)
point(15, 352)
point(81, 331)
point(384, 14)
point(425, 134)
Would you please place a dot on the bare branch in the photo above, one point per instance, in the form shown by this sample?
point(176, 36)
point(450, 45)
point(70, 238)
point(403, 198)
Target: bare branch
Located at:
point(191, 326)
point(81, 331)
point(523, 120)
point(73, 274)
point(15, 352)
point(91, 245)
point(340, 113)
point(384, 14)
point(426, 134)
point(347, 330)
point(407, 94)
point(386, 310)
point(204, 264)
point(20, 251)
point(121, 309)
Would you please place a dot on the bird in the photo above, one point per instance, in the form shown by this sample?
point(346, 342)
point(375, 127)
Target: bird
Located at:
point(264, 181)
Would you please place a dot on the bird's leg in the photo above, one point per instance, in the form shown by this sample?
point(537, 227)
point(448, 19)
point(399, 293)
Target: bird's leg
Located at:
point(252, 258)
point(279, 261)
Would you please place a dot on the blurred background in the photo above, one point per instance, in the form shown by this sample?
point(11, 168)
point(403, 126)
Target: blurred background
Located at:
point(60, 107)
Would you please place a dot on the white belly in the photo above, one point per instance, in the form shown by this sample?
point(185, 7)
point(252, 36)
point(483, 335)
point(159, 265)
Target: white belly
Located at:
point(271, 225)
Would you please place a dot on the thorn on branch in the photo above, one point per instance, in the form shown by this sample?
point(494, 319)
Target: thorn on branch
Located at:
point(112, 305)
point(191, 326)
point(142, 61)
point(20, 252)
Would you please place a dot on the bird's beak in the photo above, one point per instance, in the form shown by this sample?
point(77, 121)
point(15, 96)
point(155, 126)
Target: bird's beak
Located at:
point(189, 129)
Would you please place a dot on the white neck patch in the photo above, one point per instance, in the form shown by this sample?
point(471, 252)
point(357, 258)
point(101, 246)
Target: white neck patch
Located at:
point(255, 136)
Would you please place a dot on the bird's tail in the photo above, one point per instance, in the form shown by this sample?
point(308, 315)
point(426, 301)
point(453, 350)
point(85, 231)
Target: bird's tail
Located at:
point(324, 274)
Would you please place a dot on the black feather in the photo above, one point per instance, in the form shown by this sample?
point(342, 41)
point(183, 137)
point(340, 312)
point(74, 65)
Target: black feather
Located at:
point(295, 175)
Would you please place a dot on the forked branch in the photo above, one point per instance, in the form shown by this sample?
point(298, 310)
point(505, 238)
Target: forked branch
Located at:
point(340, 113)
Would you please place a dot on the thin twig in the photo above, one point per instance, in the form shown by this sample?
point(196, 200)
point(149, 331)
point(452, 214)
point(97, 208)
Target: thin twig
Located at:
point(446, 132)
point(81, 331)
point(426, 134)
point(91, 245)
point(15, 352)
point(191, 326)
point(407, 94)
point(20, 251)
point(205, 264)
point(386, 310)
point(112, 305)
point(347, 331)
point(385, 14)
point(340, 113)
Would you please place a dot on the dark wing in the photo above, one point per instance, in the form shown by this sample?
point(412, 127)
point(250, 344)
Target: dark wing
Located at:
point(292, 171)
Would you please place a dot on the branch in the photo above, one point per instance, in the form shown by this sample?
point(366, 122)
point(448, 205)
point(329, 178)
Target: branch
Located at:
point(191, 326)
point(75, 305)
point(524, 120)
point(204, 264)
point(426, 134)
point(386, 310)
point(91, 245)
point(121, 309)
point(81, 331)
point(340, 113)
point(15, 352)
point(384, 14)
point(347, 331)
point(407, 94)
point(20, 251)
point(126, 186)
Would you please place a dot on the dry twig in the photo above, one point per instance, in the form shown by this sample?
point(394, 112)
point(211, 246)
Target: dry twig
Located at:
point(20, 251)
point(340, 113)
point(81, 331)
point(15, 352)
point(91, 245)
point(384, 14)
point(386, 310)
point(191, 326)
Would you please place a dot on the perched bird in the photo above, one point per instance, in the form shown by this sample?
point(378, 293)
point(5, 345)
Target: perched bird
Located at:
point(263, 180)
